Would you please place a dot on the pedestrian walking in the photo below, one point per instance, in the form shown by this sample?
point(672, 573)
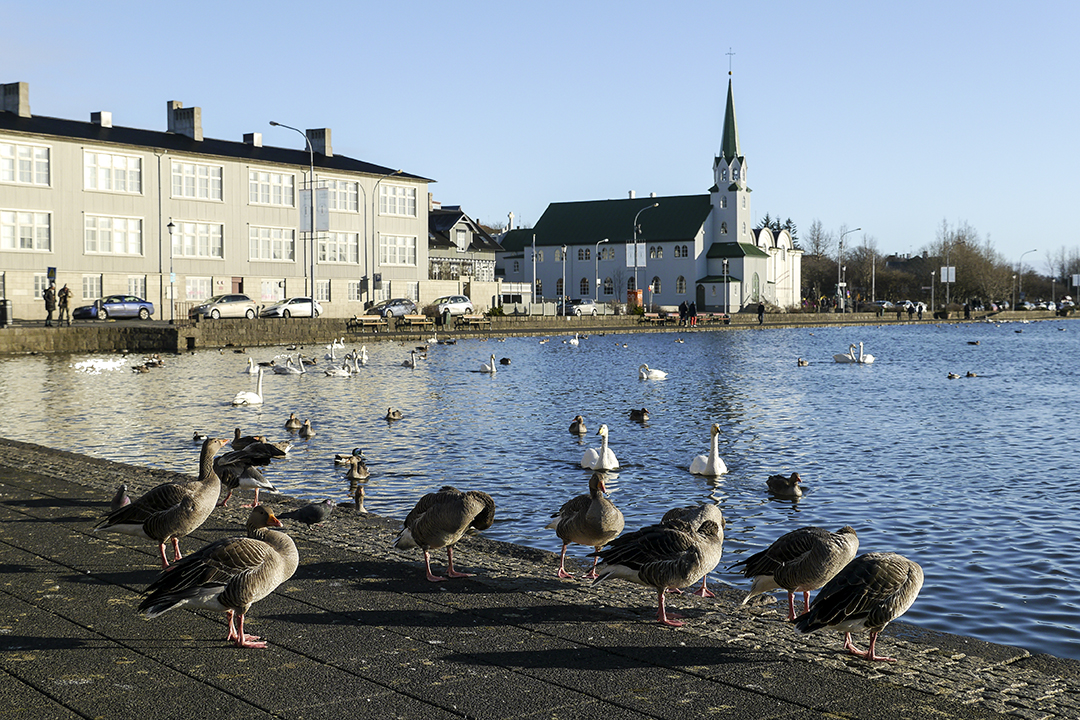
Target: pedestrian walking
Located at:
point(62, 298)
point(49, 296)
point(684, 311)
point(761, 313)
point(693, 314)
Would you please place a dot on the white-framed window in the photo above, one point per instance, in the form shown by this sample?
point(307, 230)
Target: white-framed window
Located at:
point(322, 290)
point(339, 247)
point(412, 291)
point(110, 172)
point(25, 231)
point(266, 187)
point(581, 254)
point(198, 240)
point(744, 202)
point(461, 239)
point(91, 287)
point(381, 292)
point(354, 291)
point(195, 180)
point(744, 228)
point(584, 286)
point(344, 195)
point(680, 285)
point(559, 288)
point(271, 243)
point(609, 286)
point(397, 250)
point(112, 235)
point(41, 282)
point(723, 174)
point(24, 164)
point(397, 200)
point(198, 288)
point(656, 286)
point(270, 291)
point(137, 285)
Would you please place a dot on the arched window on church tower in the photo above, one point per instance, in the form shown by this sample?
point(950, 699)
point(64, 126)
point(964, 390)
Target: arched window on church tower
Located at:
point(652, 252)
point(581, 253)
point(678, 252)
point(684, 251)
point(631, 285)
point(539, 287)
point(659, 252)
point(609, 287)
point(723, 202)
point(723, 174)
point(656, 286)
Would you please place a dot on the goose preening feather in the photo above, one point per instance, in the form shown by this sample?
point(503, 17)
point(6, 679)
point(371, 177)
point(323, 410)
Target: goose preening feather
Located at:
point(784, 485)
point(647, 373)
point(311, 514)
point(490, 367)
point(577, 427)
point(239, 469)
point(696, 515)
point(666, 556)
point(710, 465)
point(587, 520)
point(228, 576)
point(246, 397)
point(870, 592)
point(800, 561)
point(171, 510)
point(440, 519)
point(602, 459)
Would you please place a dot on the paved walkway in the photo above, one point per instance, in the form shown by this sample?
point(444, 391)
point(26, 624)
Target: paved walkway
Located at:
point(357, 632)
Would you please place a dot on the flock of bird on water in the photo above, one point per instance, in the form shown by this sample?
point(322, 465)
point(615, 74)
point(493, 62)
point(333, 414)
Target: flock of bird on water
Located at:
point(855, 594)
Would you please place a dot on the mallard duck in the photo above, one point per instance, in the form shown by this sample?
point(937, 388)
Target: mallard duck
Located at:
point(392, 414)
point(440, 519)
point(587, 520)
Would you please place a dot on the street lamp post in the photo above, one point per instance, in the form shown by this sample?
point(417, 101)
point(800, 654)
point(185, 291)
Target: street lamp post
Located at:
point(840, 259)
point(647, 207)
point(932, 308)
point(562, 295)
point(727, 296)
point(311, 194)
point(370, 262)
point(1021, 272)
point(596, 265)
point(533, 270)
point(172, 275)
point(1013, 306)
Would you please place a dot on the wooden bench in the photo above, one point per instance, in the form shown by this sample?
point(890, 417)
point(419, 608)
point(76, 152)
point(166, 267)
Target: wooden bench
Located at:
point(473, 321)
point(360, 323)
point(420, 321)
point(658, 318)
point(714, 317)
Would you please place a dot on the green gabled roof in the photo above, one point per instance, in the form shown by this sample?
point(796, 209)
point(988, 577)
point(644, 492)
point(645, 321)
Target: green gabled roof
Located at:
point(729, 143)
point(735, 250)
point(515, 240)
point(718, 279)
point(674, 218)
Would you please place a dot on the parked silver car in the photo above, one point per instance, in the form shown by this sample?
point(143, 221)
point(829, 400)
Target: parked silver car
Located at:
point(293, 307)
point(232, 305)
point(453, 304)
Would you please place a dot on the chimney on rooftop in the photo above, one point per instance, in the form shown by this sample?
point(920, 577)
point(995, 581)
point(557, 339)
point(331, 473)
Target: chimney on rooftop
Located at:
point(632, 195)
point(320, 141)
point(103, 118)
point(254, 139)
point(185, 121)
point(17, 98)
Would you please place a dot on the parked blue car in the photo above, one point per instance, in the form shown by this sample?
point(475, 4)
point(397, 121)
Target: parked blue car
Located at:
point(115, 306)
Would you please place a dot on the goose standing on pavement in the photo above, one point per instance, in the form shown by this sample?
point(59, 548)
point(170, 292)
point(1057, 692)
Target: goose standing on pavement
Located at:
point(440, 519)
point(870, 592)
point(800, 561)
point(602, 459)
point(229, 576)
point(171, 510)
point(667, 556)
point(696, 515)
point(710, 465)
point(587, 520)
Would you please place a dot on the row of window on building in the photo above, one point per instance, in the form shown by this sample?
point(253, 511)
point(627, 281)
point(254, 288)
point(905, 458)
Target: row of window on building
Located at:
point(608, 286)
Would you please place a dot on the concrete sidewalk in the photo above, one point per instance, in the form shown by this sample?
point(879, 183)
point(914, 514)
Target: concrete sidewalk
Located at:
point(358, 632)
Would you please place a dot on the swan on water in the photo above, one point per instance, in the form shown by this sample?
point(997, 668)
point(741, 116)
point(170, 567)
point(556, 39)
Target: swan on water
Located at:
point(602, 459)
point(246, 397)
point(411, 361)
point(863, 358)
point(710, 465)
point(252, 368)
point(574, 340)
point(489, 367)
point(647, 373)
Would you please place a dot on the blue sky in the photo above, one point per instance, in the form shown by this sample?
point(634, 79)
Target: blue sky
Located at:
point(887, 116)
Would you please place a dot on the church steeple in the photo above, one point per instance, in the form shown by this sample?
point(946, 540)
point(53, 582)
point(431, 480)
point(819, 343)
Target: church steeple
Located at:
point(729, 143)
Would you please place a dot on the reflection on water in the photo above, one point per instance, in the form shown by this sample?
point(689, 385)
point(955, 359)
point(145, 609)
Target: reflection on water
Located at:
point(970, 477)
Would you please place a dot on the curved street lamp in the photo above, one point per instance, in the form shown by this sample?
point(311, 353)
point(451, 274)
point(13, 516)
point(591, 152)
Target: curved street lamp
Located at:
point(1020, 273)
point(647, 207)
point(172, 275)
point(596, 265)
point(311, 193)
point(839, 259)
point(562, 295)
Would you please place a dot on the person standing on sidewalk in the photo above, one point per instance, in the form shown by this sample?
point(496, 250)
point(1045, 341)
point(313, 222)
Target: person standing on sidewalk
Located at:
point(49, 296)
point(761, 313)
point(62, 298)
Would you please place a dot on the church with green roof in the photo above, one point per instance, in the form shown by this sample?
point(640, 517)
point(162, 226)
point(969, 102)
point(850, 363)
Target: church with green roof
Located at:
point(660, 250)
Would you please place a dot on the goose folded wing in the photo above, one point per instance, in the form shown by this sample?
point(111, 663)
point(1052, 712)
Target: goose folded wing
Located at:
point(157, 500)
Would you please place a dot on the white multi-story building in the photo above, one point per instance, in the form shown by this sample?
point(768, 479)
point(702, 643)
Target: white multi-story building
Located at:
point(694, 248)
point(113, 209)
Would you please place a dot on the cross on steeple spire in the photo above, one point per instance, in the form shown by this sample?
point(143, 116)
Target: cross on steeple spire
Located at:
point(730, 55)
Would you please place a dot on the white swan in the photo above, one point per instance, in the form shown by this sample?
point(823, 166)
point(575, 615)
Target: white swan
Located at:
point(411, 362)
point(363, 355)
point(602, 459)
point(490, 368)
point(710, 465)
point(252, 368)
point(574, 340)
point(850, 357)
point(246, 397)
point(336, 371)
point(288, 368)
point(647, 373)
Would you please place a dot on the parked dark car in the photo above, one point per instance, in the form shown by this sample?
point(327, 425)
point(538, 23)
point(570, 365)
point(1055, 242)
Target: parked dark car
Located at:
point(394, 307)
point(231, 305)
point(115, 306)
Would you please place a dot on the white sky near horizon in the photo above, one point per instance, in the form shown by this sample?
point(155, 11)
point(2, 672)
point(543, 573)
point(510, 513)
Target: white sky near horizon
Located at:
point(889, 117)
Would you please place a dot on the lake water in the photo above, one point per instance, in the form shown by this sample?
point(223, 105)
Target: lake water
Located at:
point(972, 477)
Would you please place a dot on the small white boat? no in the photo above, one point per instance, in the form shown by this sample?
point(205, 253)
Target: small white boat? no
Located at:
point(863, 358)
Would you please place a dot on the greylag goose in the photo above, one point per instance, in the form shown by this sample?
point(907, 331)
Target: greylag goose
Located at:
point(358, 469)
point(587, 520)
point(602, 459)
point(800, 561)
point(577, 427)
point(666, 556)
point(711, 465)
point(784, 486)
point(239, 469)
point(239, 442)
point(229, 576)
point(293, 423)
point(440, 519)
point(306, 431)
point(392, 414)
point(696, 515)
point(171, 510)
point(312, 513)
point(641, 415)
point(120, 499)
point(872, 591)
